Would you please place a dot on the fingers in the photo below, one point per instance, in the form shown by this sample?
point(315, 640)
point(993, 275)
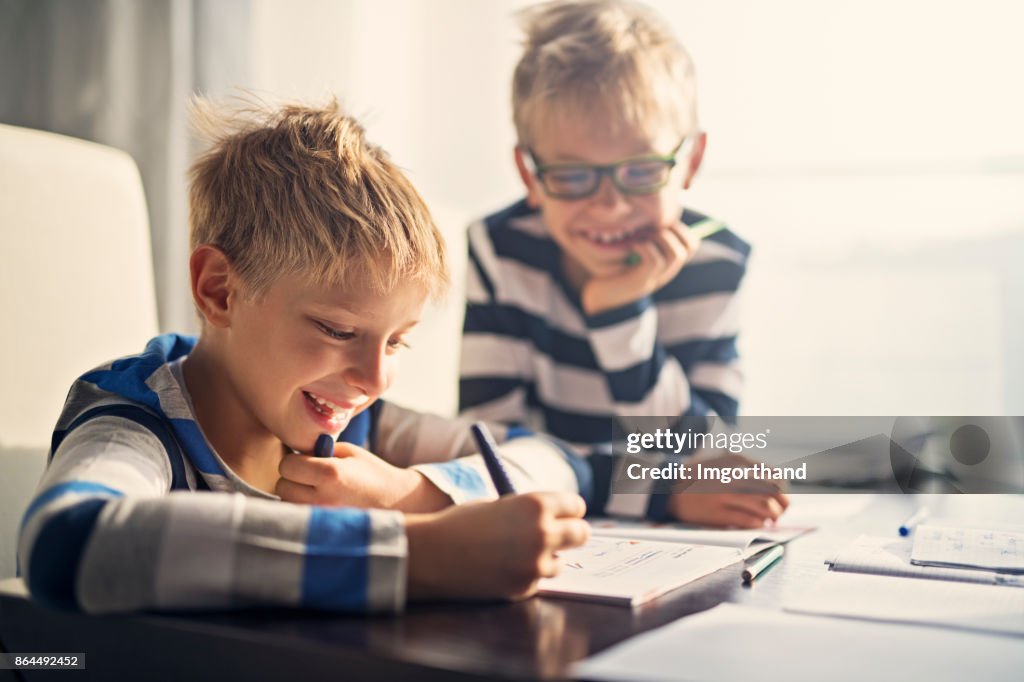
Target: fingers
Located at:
point(571, 533)
point(738, 518)
point(732, 509)
point(651, 258)
point(562, 505)
point(303, 469)
point(690, 240)
point(289, 491)
point(677, 246)
point(761, 507)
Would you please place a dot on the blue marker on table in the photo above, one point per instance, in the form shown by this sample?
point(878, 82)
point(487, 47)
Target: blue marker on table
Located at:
point(324, 445)
point(489, 450)
point(910, 524)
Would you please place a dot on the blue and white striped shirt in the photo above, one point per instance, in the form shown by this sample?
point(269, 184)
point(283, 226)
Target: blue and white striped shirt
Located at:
point(531, 356)
point(119, 521)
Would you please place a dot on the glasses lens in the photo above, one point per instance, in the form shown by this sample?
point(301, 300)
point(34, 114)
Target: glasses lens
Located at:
point(570, 181)
point(643, 176)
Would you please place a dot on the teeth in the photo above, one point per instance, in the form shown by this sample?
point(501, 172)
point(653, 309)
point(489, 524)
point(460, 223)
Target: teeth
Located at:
point(612, 237)
point(338, 410)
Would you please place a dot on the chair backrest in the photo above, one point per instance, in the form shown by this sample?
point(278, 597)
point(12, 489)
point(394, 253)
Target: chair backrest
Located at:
point(76, 274)
point(76, 289)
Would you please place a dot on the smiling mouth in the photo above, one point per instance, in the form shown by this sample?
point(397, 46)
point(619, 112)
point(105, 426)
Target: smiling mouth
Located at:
point(618, 238)
point(333, 412)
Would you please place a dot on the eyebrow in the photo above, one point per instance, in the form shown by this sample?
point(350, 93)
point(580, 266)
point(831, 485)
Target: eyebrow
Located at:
point(351, 311)
point(338, 306)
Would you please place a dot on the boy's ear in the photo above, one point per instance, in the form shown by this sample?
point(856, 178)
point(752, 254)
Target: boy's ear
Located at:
point(695, 158)
point(529, 179)
point(213, 284)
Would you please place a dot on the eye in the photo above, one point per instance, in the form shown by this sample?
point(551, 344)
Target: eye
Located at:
point(570, 176)
point(644, 172)
point(396, 343)
point(332, 332)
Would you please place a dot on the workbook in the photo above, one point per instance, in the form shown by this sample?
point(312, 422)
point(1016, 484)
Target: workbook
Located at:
point(891, 556)
point(973, 548)
point(631, 572)
point(746, 542)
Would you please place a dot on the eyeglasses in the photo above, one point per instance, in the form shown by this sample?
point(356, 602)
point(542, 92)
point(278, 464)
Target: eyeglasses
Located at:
point(635, 176)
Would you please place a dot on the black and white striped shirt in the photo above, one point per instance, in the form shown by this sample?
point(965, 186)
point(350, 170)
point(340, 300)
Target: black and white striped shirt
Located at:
point(530, 355)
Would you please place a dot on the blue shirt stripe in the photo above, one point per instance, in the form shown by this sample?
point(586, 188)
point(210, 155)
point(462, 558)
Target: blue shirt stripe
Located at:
point(336, 568)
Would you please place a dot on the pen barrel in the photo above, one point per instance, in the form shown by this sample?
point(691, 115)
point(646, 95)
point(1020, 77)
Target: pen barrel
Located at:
point(489, 451)
point(762, 563)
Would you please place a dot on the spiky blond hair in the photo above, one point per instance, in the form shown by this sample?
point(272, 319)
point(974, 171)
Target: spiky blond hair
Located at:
point(614, 58)
point(298, 189)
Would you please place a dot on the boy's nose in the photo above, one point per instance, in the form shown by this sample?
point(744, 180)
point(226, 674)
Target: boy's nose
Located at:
point(608, 195)
point(370, 371)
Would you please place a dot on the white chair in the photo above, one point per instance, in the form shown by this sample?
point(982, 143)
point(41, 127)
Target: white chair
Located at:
point(76, 286)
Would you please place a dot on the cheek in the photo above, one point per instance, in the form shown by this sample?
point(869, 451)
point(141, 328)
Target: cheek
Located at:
point(668, 204)
point(391, 369)
point(558, 217)
point(300, 359)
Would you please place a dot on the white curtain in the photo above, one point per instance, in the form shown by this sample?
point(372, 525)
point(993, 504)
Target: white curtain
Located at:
point(119, 72)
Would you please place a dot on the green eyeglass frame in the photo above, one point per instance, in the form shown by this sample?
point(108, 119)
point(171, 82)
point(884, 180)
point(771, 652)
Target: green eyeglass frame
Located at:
point(589, 176)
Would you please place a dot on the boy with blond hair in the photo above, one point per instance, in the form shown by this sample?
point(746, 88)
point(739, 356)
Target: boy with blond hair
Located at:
point(595, 296)
point(312, 258)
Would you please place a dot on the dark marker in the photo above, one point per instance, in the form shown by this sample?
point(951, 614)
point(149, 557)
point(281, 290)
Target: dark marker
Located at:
point(324, 445)
point(489, 450)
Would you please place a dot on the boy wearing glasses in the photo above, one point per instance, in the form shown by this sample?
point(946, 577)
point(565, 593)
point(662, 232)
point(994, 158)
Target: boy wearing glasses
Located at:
point(595, 296)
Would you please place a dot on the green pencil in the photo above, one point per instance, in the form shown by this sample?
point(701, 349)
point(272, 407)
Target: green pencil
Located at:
point(701, 230)
point(706, 228)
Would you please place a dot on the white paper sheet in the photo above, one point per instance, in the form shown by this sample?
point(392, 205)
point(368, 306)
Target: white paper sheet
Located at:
point(891, 557)
point(731, 642)
point(631, 572)
point(988, 608)
point(991, 549)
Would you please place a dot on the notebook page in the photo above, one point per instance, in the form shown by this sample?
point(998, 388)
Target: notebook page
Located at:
point(998, 550)
point(890, 556)
point(736, 539)
point(630, 572)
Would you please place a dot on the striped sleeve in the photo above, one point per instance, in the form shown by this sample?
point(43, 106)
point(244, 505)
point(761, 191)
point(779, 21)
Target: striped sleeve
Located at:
point(675, 356)
point(443, 450)
point(104, 535)
point(494, 371)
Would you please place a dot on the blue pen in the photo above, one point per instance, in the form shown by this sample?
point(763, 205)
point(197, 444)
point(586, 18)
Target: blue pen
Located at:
point(324, 445)
point(489, 450)
point(910, 524)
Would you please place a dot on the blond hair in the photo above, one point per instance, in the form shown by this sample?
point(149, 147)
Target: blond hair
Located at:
point(612, 56)
point(299, 190)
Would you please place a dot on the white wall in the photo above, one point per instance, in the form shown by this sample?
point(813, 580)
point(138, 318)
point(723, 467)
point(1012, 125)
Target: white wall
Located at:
point(873, 152)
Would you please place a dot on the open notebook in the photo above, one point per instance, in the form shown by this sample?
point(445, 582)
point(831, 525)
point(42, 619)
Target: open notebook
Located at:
point(746, 542)
point(631, 572)
point(891, 556)
point(991, 549)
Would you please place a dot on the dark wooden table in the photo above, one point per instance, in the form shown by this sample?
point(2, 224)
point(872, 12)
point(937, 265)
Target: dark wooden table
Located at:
point(537, 638)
